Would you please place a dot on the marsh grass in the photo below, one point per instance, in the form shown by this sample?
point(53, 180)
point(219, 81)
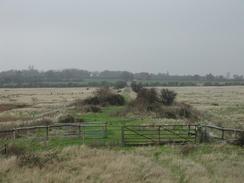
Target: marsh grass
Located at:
point(202, 164)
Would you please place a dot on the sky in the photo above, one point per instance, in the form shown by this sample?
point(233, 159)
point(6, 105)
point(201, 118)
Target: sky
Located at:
point(178, 36)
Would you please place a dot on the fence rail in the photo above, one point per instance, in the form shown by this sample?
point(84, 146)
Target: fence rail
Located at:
point(85, 131)
point(157, 134)
point(126, 135)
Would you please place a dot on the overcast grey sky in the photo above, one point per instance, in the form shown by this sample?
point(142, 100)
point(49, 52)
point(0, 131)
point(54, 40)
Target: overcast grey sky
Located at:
point(179, 36)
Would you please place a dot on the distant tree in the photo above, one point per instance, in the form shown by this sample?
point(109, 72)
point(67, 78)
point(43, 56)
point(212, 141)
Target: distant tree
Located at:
point(126, 76)
point(210, 77)
point(237, 77)
point(196, 77)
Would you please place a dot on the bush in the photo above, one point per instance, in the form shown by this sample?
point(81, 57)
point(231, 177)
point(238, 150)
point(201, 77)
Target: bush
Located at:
point(120, 84)
point(147, 96)
point(180, 110)
point(136, 87)
point(187, 111)
point(66, 119)
point(115, 99)
point(92, 108)
point(92, 101)
point(104, 96)
point(167, 97)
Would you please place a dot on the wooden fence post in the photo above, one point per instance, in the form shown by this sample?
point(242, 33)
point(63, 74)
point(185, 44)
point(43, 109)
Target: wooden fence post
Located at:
point(223, 134)
point(159, 138)
point(122, 136)
point(79, 134)
point(14, 133)
point(47, 135)
point(196, 134)
point(105, 130)
point(83, 134)
point(5, 149)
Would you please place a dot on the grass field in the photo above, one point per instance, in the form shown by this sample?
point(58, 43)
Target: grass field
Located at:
point(202, 164)
point(223, 106)
point(73, 162)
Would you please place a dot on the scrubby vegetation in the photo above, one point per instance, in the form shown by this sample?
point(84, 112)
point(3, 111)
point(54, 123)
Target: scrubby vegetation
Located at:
point(136, 87)
point(120, 84)
point(167, 97)
point(104, 96)
point(66, 119)
point(162, 104)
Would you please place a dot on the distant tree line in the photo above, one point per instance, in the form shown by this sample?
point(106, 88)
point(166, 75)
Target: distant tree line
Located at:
point(76, 78)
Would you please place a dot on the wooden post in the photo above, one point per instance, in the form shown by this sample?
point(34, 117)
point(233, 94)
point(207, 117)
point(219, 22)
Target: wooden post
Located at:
point(235, 135)
point(83, 134)
point(47, 135)
point(223, 134)
point(79, 134)
point(105, 130)
point(189, 130)
point(5, 148)
point(14, 134)
point(159, 138)
point(122, 136)
point(196, 134)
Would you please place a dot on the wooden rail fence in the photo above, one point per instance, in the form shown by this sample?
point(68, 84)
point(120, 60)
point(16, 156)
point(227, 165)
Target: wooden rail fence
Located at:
point(220, 133)
point(126, 135)
point(162, 134)
point(85, 131)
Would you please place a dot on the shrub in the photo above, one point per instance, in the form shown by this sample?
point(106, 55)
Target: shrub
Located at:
point(66, 119)
point(92, 100)
point(120, 84)
point(164, 112)
point(179, 110)
point(92, 108)
point(147, 96)
point(104, 96)
point(136, 87)
point(115, 99)
point(147, 100)
point(187, 111)
point(167, 97)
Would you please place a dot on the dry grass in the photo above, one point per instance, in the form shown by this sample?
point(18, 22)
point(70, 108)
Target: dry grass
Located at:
point(82, 164)
point(220, 105)
point(42, 103)
point(202, 164)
